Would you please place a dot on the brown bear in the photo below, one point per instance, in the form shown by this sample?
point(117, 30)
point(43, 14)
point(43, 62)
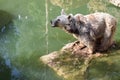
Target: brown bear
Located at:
point(95, 30)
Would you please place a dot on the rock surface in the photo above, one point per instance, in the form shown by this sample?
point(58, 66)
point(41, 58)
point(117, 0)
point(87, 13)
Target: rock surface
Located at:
point(115, 2)
point(71, 62)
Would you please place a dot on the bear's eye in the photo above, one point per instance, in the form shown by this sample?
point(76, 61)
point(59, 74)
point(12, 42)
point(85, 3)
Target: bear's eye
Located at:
point(58, 20)
point(71, 21)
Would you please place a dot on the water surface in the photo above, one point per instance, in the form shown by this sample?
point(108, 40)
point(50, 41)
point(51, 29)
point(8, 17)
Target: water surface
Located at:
point(23, 36)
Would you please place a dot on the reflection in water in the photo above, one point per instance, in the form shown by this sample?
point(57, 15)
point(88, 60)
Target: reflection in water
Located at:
point(67, 4)
point(97, 5)
point(21, 17)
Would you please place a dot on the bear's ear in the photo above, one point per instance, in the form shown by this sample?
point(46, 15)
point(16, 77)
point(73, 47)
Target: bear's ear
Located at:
point(70, 16)
point(63, 12)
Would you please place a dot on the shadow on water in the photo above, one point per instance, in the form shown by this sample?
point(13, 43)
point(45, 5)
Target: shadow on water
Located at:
point(4, 70)
point(7, 71)
point(5, 19)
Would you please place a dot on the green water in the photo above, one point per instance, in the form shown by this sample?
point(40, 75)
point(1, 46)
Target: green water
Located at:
point(23, 36)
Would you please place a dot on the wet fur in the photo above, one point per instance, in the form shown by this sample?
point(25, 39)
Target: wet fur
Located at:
point(95, 30)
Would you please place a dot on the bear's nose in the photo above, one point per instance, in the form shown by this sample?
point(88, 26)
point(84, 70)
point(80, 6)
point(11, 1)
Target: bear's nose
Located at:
point(53, 23)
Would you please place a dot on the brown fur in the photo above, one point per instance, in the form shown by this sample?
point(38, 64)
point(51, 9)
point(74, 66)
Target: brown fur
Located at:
point(95, 30)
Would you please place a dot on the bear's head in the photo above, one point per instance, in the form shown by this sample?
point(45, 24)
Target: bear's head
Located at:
point(69, 23)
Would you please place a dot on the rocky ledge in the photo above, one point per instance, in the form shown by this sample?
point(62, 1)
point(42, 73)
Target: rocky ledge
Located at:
point(71, 62)
point(115, 2)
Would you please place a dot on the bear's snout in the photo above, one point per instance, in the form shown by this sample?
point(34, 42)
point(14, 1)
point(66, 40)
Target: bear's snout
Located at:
point(53, 23)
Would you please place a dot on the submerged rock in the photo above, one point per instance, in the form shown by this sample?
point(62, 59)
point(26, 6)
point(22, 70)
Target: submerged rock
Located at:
point(71, 62)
